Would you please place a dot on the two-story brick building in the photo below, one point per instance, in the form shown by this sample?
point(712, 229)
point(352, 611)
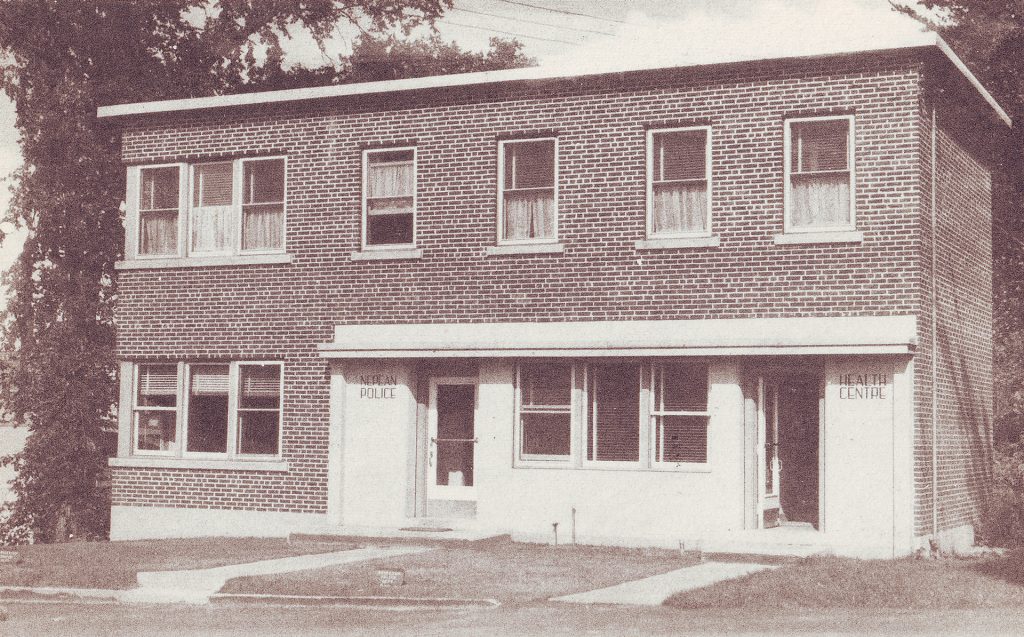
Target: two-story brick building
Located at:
point(746, 304)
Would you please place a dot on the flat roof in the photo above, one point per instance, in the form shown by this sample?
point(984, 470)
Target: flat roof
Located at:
point(920, 40)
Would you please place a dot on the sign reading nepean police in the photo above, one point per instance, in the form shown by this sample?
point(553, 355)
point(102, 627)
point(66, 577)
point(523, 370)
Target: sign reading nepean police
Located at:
point(863, 386)
point(377, 386)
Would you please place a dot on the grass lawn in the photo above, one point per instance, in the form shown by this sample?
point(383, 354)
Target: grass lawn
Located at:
point(114, 564)
point(832, 582)
point(495, 568)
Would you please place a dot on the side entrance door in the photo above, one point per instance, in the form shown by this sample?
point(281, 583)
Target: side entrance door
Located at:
point(451, 447)
point(768, 452)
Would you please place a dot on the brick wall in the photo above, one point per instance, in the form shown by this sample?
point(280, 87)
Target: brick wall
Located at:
point(283, 311)
point(962, 342)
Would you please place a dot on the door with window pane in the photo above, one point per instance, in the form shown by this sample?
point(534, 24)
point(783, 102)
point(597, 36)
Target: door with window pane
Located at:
point(451, 448)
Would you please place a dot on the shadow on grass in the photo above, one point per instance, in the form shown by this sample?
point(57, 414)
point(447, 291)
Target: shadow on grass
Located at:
point(1009, 567)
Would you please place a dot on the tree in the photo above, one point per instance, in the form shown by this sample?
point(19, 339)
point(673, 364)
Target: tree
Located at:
point(61, 60)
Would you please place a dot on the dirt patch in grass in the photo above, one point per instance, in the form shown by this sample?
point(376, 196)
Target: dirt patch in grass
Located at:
point(497, 568)
point(831, 582)
point(115, 564)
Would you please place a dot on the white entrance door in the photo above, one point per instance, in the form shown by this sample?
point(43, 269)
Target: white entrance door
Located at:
point(768, 453)
point(451, 448)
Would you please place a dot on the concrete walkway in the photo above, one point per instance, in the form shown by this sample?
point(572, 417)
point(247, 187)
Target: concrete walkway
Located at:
point(197, 586)
point(652, 591)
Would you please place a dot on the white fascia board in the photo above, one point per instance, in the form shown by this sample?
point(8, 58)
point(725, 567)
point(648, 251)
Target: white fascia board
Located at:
point(803, 336)
point(975, 82)
point(510, 75)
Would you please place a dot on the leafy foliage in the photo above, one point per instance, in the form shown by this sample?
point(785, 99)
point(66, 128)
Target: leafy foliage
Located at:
point(61, 60)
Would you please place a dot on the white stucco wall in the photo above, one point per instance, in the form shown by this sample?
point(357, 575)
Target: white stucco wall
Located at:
point(613, 506)
point(866, 470)
point(378, 433)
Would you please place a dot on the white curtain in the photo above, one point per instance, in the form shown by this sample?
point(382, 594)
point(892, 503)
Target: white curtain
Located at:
point(389, 180)
point(210, 228)
point(262, 227)
point(680, 208)
point(820, 200)
point(158, 232)
point(529, 215)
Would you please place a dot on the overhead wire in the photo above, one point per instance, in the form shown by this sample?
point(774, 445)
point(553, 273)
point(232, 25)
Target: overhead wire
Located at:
point(562, 11)
point(543, 24)
point(512, 33)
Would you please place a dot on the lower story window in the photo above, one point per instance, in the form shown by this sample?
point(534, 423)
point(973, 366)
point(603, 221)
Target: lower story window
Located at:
point(545, 410)
point(630, 413)
point(219, 409)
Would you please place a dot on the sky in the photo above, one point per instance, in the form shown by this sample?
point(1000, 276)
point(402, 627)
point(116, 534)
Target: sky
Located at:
point(582, 34)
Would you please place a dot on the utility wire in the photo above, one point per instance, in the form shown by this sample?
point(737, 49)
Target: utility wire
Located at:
point(543, 24)
point(521, 35)
point(562, 11)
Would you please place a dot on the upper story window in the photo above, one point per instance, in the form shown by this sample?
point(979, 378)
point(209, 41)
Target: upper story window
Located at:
point(232, 208)
point(679, 182)
point(389, 198)
point(159, 202)
point(528, 193)
point(819, 174)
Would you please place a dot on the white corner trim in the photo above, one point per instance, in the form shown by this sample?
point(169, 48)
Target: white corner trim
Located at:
point(678, 242)
point(157, 462)
point(200, 262)
point(386, 255)
point(525, 248)
point(707, 337)
point(842, 236)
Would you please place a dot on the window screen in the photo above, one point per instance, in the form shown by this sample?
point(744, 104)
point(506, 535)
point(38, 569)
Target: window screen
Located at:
point(820, 175)
point(614, 413)
point(263, 204)
point(679, 411)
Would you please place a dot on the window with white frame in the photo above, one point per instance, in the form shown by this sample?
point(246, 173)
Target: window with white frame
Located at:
point(631, 414)
point(527, 201)
point(679, 182)
point(262, 205)
point(159, 201)
point(219, 410)
point(389, 197)
point(544, 395)
point(819, 174)
point(679, 412)
point(155, 414)
point(232, 207)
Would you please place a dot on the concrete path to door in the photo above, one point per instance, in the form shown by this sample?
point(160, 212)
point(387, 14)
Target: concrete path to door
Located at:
point(197, 586)
point(653, 591)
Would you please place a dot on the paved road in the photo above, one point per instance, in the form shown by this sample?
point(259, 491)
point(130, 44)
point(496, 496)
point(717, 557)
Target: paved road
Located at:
point(102, 620)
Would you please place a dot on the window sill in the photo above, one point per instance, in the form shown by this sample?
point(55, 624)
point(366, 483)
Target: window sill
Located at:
point(615, 466)
point(157, 462)
point(678, 242)
point(388, 254)
point(199, 262)
point(526, 248)
point(842, 236)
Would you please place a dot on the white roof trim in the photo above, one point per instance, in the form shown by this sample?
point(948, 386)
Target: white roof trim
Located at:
point(489, 77)
point(732, 337)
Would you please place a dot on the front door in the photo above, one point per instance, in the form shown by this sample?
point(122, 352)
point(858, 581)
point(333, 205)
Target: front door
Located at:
point(451, 447)
point(788, 427)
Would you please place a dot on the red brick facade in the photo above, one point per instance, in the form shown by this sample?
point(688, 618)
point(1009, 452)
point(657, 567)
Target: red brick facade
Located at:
point(282, 311)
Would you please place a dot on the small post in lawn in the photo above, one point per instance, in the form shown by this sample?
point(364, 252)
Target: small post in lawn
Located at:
point(554, 526)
